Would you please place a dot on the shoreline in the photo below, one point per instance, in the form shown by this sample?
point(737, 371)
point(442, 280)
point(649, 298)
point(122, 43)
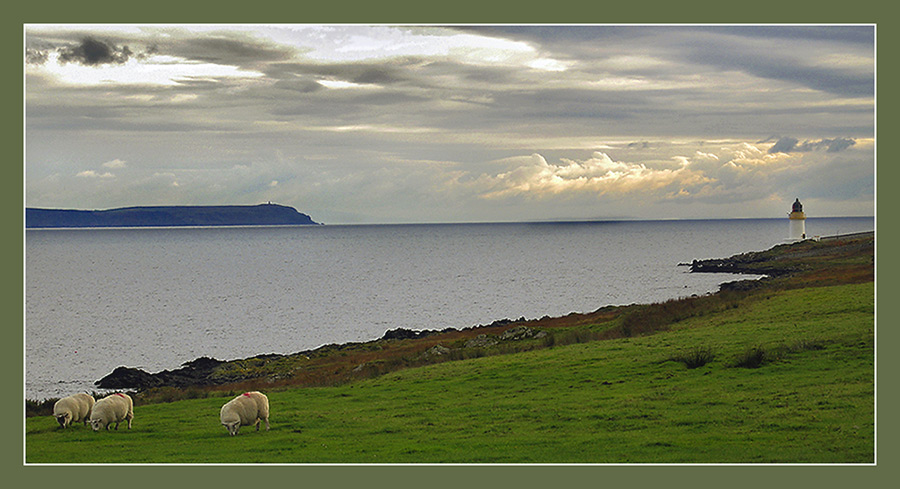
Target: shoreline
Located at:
point(418, 347)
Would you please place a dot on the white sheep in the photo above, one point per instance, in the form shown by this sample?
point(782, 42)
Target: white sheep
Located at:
point(245, 410)
point(73, 409)
point(111, 409)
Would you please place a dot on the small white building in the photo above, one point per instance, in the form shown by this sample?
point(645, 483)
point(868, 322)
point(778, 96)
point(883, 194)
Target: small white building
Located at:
point(798, 221)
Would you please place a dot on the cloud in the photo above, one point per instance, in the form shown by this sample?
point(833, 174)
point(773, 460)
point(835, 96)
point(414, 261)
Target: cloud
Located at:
point(234, 49)
point(784, 145)
point(116, 163)
point(93, 51)
point(635, 116)
point(830, 145)
point(730, 174)
point(597, 176)
point(36, 56)
point(94, 174)
point(789, 144)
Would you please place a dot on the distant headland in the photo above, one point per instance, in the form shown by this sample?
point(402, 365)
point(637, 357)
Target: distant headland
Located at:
point(268, 214)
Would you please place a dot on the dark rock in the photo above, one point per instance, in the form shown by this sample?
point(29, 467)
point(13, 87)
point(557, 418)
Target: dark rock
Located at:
point(195, 372)
point(126, 377)
point(205, 363)
point(742, 285)
point(406, 334)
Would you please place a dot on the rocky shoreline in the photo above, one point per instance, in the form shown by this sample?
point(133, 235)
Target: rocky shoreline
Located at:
point(782, 260)
point(206, 371)
point(403, 347)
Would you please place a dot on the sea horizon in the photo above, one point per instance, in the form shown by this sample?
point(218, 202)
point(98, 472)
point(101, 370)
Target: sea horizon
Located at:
point(561, 220)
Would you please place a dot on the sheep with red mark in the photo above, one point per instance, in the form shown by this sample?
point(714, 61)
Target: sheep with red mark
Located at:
point(73, 409)
point(111, 409)
point(246, 409)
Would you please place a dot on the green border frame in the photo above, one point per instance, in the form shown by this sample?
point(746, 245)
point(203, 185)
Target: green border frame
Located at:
point(458, 12)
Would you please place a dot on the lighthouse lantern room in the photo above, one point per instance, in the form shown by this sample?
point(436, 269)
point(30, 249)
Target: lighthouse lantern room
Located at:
point(798, 221)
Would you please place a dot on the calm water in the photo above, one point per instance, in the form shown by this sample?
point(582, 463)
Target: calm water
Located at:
point(156, 298)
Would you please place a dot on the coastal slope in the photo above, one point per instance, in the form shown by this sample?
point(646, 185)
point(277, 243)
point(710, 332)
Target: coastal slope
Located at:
point(166, 216)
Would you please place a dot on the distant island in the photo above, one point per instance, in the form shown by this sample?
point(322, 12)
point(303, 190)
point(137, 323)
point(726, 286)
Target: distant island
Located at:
point(167, 216)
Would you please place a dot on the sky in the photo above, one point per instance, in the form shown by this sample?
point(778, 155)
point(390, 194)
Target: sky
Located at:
point(461, 123)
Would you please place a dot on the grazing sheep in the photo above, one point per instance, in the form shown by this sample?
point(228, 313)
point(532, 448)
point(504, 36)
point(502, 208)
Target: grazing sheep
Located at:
point(245, 410)
point(111, 409)
point(73, 409)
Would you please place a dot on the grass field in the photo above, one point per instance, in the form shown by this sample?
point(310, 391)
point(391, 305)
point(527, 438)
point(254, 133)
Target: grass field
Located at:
point(786, 377)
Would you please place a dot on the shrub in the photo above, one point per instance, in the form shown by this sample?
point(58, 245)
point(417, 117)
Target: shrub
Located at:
point(753, 357)
point(696, 357)
point(756, 356)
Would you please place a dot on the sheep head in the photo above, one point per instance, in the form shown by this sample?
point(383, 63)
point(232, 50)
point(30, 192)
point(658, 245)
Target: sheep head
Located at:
point(63, 418)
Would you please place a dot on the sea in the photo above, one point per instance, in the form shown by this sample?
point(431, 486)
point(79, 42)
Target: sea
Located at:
point(155, 298)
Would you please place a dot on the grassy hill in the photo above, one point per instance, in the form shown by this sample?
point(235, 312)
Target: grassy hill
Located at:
point(782, 372)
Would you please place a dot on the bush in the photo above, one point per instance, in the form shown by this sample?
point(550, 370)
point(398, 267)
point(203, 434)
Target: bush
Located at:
point(756, 356)
point(753, 357)
point(697, 357)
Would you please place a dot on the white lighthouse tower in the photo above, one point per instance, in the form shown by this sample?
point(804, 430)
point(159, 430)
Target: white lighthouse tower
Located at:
point(798, 221)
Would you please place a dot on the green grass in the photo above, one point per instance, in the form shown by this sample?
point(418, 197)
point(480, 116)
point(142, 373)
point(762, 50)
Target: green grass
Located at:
point(629, 400)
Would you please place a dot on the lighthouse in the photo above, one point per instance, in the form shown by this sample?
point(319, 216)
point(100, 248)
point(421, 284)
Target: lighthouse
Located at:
point(798, 221)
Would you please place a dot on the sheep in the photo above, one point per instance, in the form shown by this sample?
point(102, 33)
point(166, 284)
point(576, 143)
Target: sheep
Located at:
point(245, 410)
point(111, 409)
point(73, 409)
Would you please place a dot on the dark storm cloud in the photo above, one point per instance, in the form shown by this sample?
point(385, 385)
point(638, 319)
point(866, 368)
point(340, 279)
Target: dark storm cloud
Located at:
point(92, 51)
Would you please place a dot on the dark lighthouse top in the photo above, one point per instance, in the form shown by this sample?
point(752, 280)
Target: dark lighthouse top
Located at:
point(797, 207)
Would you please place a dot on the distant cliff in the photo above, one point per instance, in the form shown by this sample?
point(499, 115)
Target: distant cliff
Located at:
point(166, 216)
